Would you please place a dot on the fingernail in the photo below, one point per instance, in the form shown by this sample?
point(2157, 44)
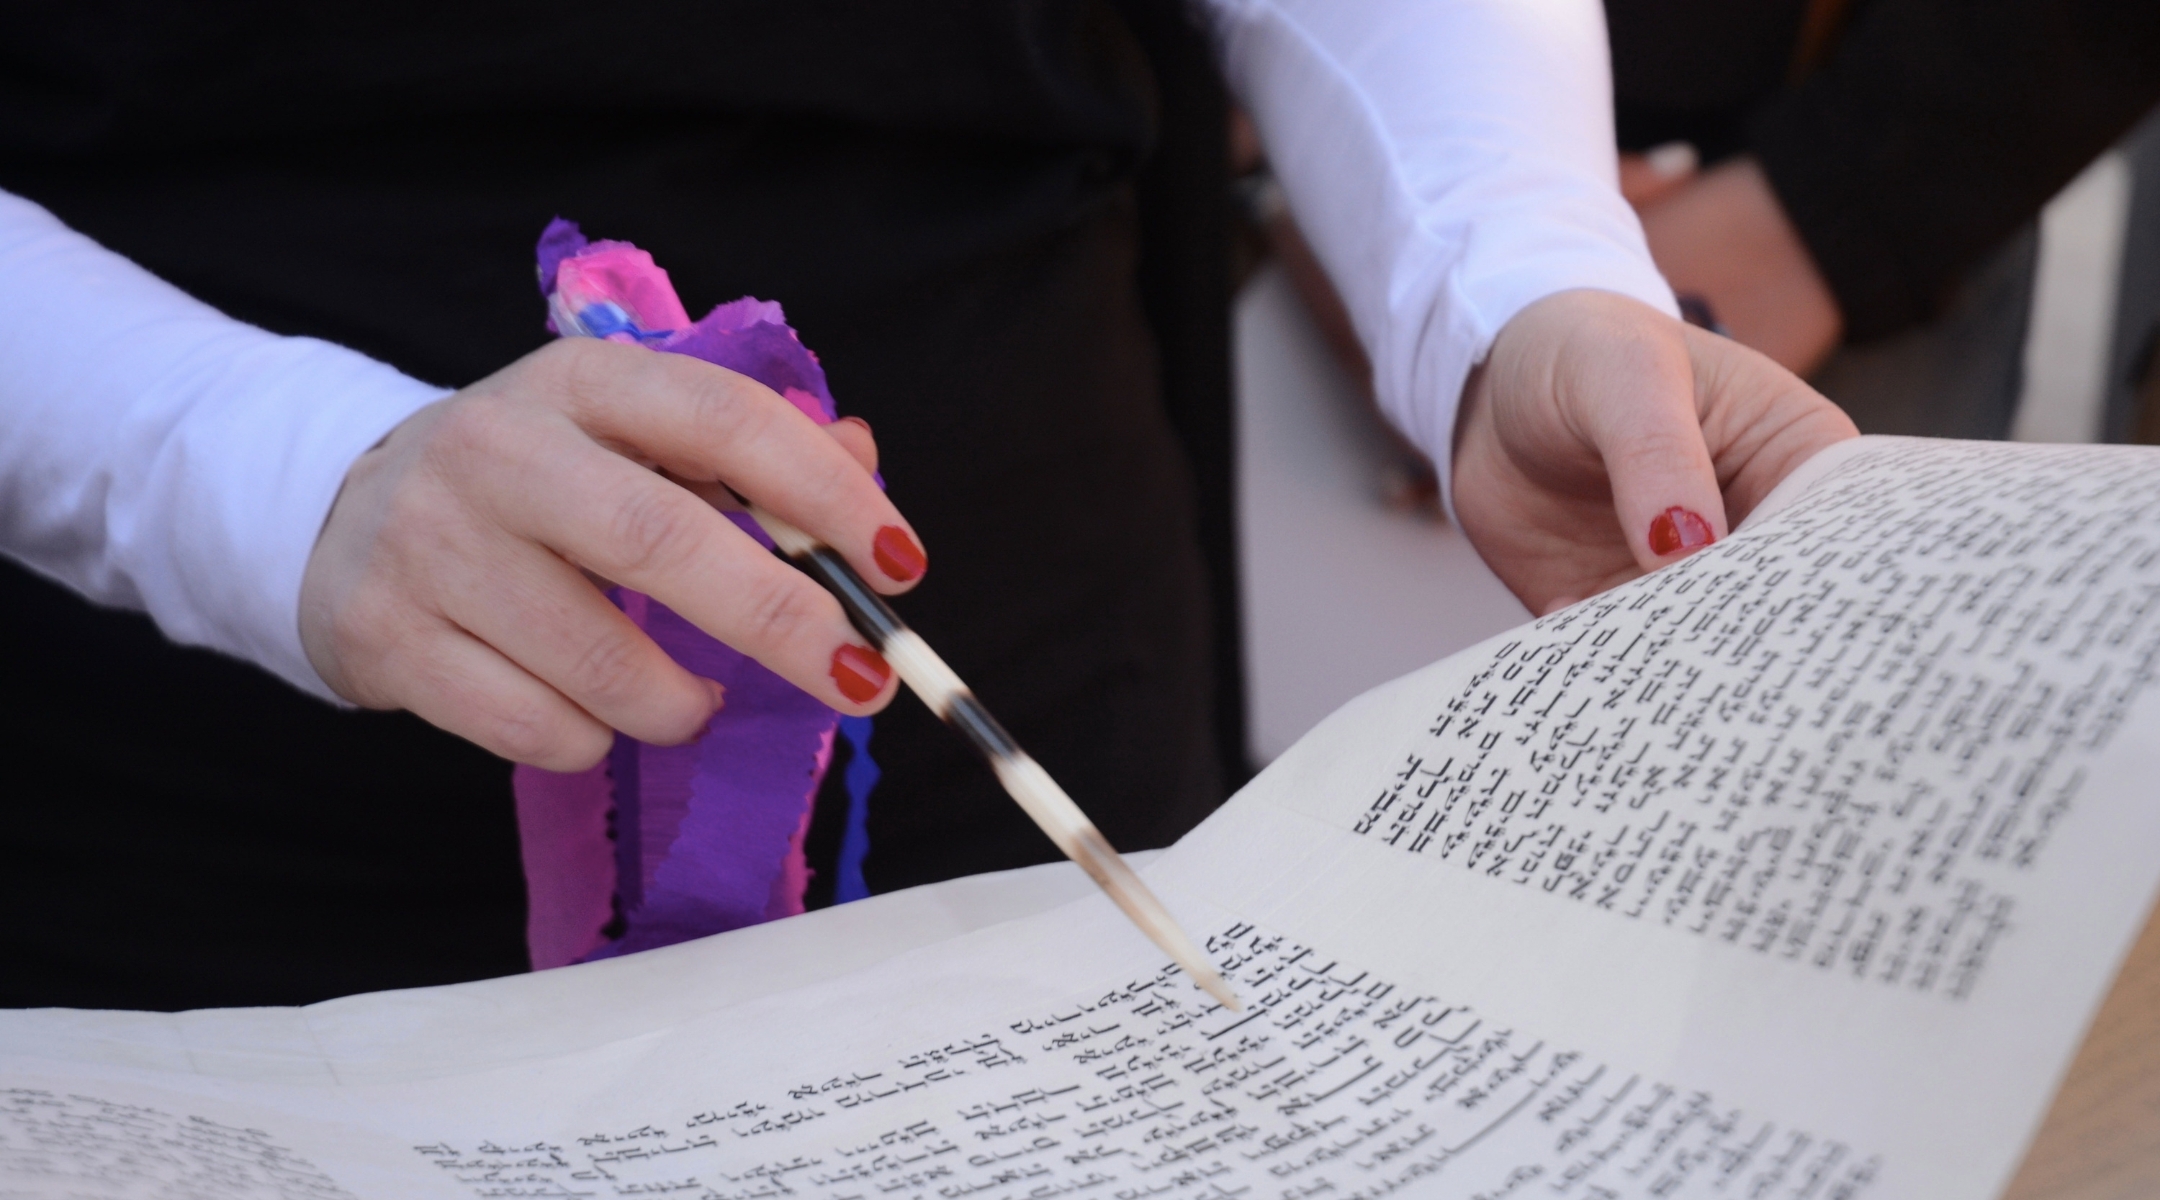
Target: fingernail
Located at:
point(897, 554)
point(1678, 529)
point(1671, 160)
point(860, 671)
point(858, 421)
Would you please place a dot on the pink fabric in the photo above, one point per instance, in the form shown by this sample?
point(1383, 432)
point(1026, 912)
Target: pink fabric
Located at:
point(570, 861)
point(621, 272)
point(811, 406)
point(794, 878)
point(563, 837)
point(667, 843)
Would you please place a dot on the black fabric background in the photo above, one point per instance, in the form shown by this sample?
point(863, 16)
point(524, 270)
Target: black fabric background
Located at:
point(1933, 131)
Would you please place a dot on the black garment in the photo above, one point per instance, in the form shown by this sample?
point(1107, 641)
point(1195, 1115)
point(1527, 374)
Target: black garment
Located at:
point(1932, 133)
point(964, 210)
point(1697, 70)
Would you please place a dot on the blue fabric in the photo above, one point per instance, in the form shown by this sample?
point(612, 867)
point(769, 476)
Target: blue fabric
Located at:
point(862, 775)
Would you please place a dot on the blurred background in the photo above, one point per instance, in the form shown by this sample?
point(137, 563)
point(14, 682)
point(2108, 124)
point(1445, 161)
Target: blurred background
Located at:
point(2048, 332)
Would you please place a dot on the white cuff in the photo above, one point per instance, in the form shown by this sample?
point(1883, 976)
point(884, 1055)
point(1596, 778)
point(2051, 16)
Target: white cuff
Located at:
point(157, 454)
point(1451, 164)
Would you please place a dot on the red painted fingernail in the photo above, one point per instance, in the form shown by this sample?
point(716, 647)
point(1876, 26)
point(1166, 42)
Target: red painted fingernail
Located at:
point(897, 554)
point(860, 671)
point(1678, 529)
point(858, 421)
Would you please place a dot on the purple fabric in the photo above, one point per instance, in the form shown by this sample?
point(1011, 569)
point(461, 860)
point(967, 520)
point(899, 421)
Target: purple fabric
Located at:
point(707, 837)
point(766, 351)
point(715, 819)
point(563, 836)
point(558, 241)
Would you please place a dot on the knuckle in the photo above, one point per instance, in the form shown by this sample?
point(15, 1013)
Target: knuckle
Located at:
point(724, 406)
point(608, 671)
point(578, 366)
point(368, 639)
point(575, 361)
point(587, 376)
point(656, 530)
point(416, 517)
point(474, 428)
point(527, 731)
point(777, 609)
point(385, 654)
point(354, 629)
point(1656, 447)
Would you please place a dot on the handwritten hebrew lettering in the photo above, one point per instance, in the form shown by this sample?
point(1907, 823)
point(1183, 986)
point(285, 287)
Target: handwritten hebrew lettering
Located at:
point(1847, 815)
point(70, 1145)
point(1332, 1083)
point(1843, 739)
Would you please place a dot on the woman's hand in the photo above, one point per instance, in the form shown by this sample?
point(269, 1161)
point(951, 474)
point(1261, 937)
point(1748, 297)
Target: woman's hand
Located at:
point(1603, 439)
point(455, 575)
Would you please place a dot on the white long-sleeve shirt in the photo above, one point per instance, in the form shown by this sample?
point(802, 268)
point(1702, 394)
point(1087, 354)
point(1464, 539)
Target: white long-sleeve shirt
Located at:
point(1451, 161)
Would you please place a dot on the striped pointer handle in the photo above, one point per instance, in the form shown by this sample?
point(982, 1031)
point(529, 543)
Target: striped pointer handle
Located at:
point(1038, 794)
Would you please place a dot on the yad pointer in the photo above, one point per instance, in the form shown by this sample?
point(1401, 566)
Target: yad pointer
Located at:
point(1038, 794)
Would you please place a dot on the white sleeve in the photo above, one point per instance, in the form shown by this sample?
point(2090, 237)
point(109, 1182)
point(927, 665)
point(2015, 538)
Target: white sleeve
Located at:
point(1451, 161)
point(157, 454)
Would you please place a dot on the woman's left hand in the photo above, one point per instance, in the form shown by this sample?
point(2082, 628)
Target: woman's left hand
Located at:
point(1602, 439)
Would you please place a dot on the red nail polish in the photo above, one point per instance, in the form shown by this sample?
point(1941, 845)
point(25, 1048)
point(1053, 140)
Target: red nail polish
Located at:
point(860, 671)
point(858, 421)
point(1678, 529)
point(897, 554)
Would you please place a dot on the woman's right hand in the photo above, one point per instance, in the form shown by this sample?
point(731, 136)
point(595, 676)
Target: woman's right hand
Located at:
point(456, 573)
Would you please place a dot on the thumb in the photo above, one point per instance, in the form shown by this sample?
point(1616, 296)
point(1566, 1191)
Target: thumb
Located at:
point(1650, 177)
point(1640, 397)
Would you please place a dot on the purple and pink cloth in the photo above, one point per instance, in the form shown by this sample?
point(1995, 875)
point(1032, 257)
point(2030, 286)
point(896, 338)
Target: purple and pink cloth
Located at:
point(661, 844)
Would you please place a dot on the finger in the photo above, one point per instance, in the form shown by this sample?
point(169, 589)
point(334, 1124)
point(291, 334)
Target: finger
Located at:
point(853, 434)
point(463, 686)
point(706, 423)
point(1651, 176)
point(542, 614)
point(1633, 388)
point(1532, 493)
point(608, 515)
